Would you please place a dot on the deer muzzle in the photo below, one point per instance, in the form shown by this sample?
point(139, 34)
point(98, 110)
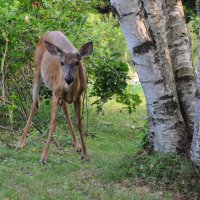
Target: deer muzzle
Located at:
point(69, 79)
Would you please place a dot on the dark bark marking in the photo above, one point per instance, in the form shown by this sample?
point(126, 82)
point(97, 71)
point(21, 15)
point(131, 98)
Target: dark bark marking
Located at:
point(127, 14)
point(166, 97)
point(144, 47)
point(178, 124)
point(159, 81)
point(185, 78)
point(156, 58)
point(152, 133)
point(170, 107)
point(115, 12)
point(197, 94)
point(157, 120)
point(167, 108)
point(144, 11)
point(155, 102)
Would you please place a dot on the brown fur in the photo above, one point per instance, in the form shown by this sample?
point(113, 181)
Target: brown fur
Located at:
point(44, 62)
point(48, 69)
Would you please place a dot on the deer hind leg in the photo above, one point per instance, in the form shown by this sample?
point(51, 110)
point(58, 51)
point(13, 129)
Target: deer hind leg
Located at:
point(76, 144)
point(36, 88)
point(54, 110)
point(77, 107)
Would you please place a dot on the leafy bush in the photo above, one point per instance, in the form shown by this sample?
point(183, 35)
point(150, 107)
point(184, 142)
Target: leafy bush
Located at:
point(109, 75)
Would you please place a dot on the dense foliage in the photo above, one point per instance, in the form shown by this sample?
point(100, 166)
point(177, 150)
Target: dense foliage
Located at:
point(24, 22)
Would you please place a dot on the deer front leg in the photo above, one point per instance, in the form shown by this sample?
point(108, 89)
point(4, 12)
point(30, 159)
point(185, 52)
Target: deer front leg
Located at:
point(77, 107)
point(76, 144)
point(54, 110)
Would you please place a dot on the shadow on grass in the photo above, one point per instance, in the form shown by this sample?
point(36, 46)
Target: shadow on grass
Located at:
point(167, 171)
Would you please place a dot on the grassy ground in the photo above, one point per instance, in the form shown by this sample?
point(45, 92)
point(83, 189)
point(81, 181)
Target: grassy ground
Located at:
point(119, 168)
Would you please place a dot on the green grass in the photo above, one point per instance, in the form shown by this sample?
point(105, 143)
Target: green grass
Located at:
point(119, 168)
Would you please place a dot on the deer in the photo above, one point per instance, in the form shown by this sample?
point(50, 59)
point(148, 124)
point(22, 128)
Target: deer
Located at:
point(58, 64)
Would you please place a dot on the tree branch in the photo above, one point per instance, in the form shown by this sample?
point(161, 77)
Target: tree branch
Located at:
point(22, 113)
point(9, 129)
point(3, 64)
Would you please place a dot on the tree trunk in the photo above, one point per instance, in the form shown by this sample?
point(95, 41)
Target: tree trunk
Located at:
point(195, 147)
point(179, 44)
point(150, 53)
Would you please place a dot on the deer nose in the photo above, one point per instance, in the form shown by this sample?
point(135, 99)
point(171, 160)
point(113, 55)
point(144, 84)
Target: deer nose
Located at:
point(69, 79)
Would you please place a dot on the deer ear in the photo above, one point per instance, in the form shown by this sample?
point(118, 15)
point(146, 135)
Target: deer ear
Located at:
point(86, 49)
point(52, 49)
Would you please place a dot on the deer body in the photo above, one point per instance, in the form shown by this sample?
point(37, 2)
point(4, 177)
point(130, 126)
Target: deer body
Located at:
point(58, 65)
point(51, 72)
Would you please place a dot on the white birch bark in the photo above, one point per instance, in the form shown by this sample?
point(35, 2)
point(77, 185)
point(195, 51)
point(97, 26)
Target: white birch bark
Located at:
point(152, 60)
point(195, 147)
point(179, 44)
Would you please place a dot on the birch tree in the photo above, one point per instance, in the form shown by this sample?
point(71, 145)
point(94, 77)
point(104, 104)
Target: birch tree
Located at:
point(143, 29)
point(179, 44)
point(195, 147)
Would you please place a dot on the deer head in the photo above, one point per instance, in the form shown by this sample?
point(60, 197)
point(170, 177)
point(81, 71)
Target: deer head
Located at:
point(69, 62)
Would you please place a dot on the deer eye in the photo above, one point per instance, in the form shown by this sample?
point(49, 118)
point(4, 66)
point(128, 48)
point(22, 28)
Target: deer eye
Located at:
point(77, 63)
point(62, 63)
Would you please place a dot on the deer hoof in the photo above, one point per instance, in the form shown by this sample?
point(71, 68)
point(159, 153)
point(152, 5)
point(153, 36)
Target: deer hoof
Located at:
point(85, 158)
point(20, 146)
point(42, 161)
point(77, 147)
point(78, 150)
